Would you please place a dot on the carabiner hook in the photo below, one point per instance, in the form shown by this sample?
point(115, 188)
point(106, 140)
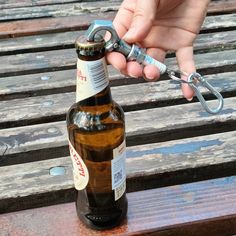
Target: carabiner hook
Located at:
point(193, 80)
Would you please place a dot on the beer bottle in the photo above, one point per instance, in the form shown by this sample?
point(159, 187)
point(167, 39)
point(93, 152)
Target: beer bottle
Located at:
point(96, 130)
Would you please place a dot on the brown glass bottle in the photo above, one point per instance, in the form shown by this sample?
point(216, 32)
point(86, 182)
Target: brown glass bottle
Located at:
point(96, 131)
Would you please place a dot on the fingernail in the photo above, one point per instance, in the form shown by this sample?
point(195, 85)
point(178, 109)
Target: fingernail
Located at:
point(133, 75)
point(130, 34)
point(190, 99)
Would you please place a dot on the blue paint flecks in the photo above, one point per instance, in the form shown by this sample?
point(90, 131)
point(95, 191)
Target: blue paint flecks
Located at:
point(176, 149)
point(225, 111)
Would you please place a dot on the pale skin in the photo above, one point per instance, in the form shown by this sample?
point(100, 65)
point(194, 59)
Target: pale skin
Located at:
point(159, 26)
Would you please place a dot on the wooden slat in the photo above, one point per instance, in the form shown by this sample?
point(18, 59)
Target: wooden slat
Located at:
point(66, 59)
point(39, 42)
point(49, 140)
point(37, 84)
point(71, 9)
point(41, 26)
point(131, 97)
point(29, 9)
point(214, 6)
point(62, 24)
point(204, 42)
point(222, 6)
point(28, 3)
point(160, 211)
point(161, 163)
point(151, 92)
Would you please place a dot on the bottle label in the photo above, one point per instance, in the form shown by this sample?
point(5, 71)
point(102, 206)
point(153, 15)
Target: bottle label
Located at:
point(80, 171)
point(118, 171)
point(92, 78)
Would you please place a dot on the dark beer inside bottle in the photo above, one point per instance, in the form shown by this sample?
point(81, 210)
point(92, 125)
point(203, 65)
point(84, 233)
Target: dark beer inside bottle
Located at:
point(96, 127)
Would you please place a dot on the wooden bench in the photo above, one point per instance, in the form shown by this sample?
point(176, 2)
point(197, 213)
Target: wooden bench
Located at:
point(181, 161)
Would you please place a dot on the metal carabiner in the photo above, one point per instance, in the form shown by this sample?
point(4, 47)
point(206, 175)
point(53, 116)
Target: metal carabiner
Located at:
point(193, 80)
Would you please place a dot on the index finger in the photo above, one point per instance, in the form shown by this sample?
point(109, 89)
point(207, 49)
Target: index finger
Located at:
point(123, 18)
point(186, 64)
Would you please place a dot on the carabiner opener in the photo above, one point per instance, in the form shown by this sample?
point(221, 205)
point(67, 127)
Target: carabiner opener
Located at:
point(114, 43)
point(133, 52)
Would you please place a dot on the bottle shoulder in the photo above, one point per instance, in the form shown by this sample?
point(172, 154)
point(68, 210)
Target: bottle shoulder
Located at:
point(100, 116)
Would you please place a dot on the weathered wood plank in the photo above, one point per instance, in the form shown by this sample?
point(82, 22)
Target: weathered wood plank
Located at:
point(39, 42)
point(42, 26)
point(54, 82)
point(62, 24)
point(71, 9)
point(219, 22)
point(154, 161)
point(49, 140)
point(66, 59)
point(225, 6)
point(160, 211)
point(28, 3)
point(51, 82)
point(31, 10)
point(130, 97)
point(204, 42)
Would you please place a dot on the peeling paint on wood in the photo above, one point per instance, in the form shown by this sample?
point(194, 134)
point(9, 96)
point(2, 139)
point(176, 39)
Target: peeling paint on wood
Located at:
point(140, 124)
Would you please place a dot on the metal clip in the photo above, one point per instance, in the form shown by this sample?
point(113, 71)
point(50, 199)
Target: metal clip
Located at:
point(194, 79)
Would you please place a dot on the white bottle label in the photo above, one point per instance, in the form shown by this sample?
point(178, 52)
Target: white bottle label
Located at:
point(92, 78)
point(80, 171)
point(118, 171)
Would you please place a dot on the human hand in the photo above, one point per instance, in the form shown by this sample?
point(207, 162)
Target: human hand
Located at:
point(159, 26)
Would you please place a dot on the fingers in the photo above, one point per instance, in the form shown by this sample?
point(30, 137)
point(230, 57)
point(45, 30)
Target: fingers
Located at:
point(134, 69)
point(142, 21)
point(186, 64)
point(124, 16)
point(151, 72)
point(117, 60)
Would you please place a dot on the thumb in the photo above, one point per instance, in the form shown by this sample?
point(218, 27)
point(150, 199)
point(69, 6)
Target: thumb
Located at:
point(143, 17)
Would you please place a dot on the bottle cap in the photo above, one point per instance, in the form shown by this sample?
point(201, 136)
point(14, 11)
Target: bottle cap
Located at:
point(81, 43)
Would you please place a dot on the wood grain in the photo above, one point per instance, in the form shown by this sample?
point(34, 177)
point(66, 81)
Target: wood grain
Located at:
point(131, 97)
point(170, 141)
point(66, 59)
point(28, 3)
point(148, 166)
point(34, 9)
point(204, 43)
point(143, 126)
point(152, 211)
point(222, 7)
point(62, 24)
point(59, 10)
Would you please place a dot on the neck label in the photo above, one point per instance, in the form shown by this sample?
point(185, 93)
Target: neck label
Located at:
point(92, 78)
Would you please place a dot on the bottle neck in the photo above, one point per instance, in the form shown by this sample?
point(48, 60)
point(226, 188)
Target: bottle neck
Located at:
point(100, 99)
point(92, 80)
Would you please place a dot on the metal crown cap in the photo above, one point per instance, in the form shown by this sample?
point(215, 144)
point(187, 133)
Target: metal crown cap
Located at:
point(82, 43)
